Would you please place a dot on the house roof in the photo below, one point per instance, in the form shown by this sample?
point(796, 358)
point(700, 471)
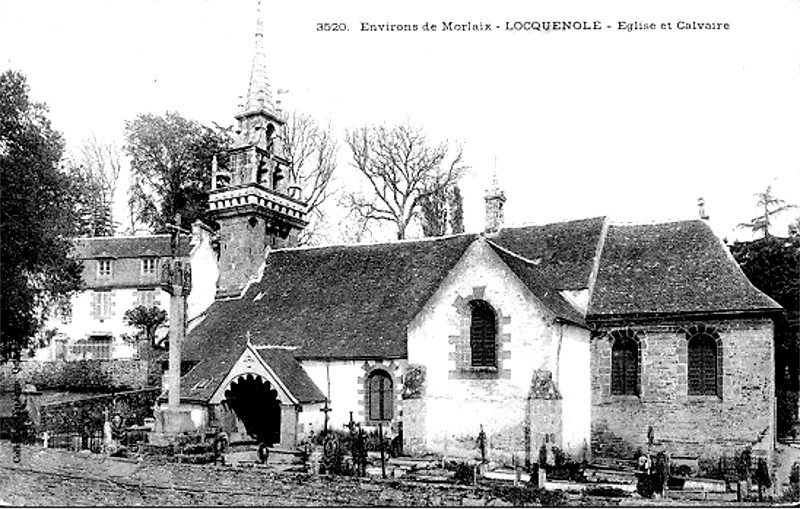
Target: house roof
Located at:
point(128, 247)
point(203, 380)
point(544, 290)
point(565, 252)
point(676, 267)
point(331, 302)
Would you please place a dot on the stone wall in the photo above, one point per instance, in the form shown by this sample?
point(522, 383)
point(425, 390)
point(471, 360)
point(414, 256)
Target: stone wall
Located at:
point(743, 415)
point(89, 413)
point(94, 375)
point(458, 398)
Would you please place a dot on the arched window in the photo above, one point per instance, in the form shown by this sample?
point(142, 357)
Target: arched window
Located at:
point(703, 363)
point(482, 334)
point(380, 396)
point(625, 364)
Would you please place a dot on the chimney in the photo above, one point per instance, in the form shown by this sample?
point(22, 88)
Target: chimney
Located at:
point(701, 209)
point(495, 198)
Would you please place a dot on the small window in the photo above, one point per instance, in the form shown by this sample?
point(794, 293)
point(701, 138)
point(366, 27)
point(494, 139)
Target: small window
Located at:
point(380, 400)
point(703, 369)
point(625, 364)
point(146, 298)
point(149, 266)
point(482, 335)
point(104, 267)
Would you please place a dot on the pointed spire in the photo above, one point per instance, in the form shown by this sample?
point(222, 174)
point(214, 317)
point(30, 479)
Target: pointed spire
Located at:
point(259, 95)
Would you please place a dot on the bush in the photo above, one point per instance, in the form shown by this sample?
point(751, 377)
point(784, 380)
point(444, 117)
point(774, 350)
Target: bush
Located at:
point(529, 495)
point(463, 473)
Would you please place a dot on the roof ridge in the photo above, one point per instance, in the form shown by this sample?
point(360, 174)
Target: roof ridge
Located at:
point(123, 237)
point(375, 244)
point(511, 253)
point(529, 225)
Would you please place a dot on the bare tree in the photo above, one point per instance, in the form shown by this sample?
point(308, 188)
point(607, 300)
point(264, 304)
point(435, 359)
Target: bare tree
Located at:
point(311, 150)
point(771, 206)
point(402, 170)
point(96, 171)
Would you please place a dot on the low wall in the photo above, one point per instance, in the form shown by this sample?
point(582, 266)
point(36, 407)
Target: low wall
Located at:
point(97, 375)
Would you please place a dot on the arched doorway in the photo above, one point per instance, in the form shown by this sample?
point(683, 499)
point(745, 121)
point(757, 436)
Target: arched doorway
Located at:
point(256, 404)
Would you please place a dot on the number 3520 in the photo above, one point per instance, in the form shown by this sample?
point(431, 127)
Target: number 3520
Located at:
point(331, 27)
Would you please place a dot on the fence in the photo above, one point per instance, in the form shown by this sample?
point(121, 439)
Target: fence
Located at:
point(93, 440)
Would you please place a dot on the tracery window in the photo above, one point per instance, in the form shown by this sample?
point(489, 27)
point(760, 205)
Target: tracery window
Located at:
point(625, 363)
point(483, 334)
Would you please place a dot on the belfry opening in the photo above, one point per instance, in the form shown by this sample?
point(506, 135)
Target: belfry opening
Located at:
point(255, 402)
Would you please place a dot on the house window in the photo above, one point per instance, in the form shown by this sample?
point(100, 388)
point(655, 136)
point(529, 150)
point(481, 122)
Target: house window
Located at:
point(104, 267)
point(704, 356)
point(146, 298)
point(102, 305)
point(93, 347)
point(625, 363)
point(482, 334)
point(149, 266)
point(380, 396)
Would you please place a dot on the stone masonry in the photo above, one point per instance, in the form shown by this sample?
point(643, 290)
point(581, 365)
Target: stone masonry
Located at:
point(683, 424)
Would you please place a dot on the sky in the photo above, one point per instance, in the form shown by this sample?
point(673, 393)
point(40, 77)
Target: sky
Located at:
point(632, 124)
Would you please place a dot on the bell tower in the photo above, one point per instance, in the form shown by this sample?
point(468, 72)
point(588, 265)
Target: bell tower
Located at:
point(254, 201)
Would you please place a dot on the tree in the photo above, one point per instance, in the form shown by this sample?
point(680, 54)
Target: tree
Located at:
point(147, 320)
point(37, 221)
point(402, 170)
point(95, 171)
point(170, 167)
point(773, 266)
point(771, 206)
point(442, 213)
point(311, 150)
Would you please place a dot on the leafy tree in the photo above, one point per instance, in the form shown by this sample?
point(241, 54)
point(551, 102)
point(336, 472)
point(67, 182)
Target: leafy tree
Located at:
point(147, 320)
point(171, 167)
point(770, 206)
point(37, 218)
point(773, 266)
point(442, 213)
point(402, 170)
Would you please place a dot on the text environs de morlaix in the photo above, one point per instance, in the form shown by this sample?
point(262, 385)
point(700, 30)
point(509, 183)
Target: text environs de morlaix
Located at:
point(536, 26)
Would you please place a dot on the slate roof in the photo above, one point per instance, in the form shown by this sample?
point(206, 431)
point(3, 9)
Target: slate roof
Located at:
point(544, 290)
point(331, 302)
point(668, 268)
point(128, 247)
point(565, 251)
point(203, 380)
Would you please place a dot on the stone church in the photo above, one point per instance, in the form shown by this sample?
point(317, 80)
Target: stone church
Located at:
point(594, 337)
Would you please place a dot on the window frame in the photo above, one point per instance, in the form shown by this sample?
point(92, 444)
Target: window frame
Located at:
point(479, 340)
point(702, 387)
point(385, 394)
point(623, 371)
point(102, 265)
point(147, 270)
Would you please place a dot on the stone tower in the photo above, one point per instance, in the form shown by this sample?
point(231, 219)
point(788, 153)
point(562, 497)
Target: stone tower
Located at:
point(495, 198)
point(253, 200)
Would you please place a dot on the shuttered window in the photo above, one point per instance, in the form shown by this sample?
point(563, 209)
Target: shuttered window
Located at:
point(482, 335)
point(380, 396)
point(102, 305)
point(146, 298)
point(702, 365)
point(625, 367)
